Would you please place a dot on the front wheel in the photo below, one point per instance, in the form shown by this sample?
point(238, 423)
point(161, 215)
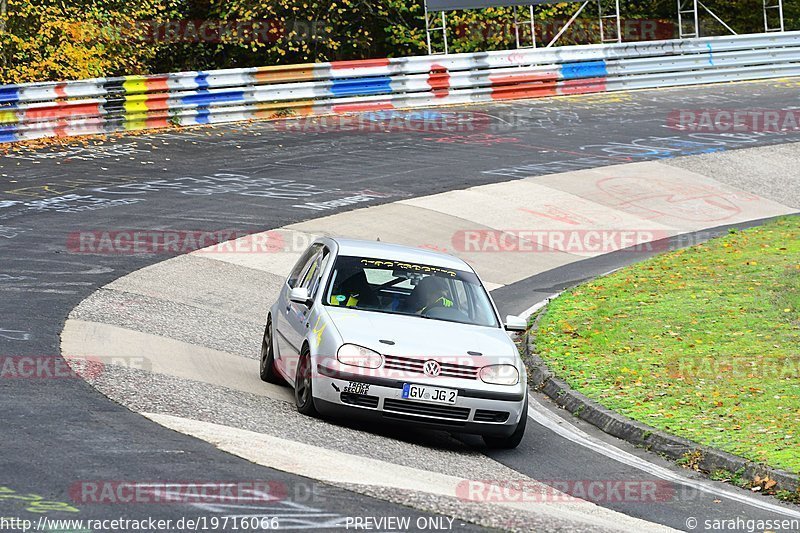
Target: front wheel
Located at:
point(267, 368)
point(513, 440)
point(303, 386)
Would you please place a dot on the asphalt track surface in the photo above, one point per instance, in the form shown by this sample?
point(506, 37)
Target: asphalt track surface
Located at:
point(57, 432)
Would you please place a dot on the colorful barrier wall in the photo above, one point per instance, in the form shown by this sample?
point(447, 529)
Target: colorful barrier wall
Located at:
point(104, 105)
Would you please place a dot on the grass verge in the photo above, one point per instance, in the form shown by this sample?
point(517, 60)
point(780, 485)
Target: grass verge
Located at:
point(702, 342)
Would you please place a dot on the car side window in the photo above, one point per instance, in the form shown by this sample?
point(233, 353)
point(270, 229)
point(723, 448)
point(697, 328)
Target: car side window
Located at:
point(310, 272)
point(313, 277)
point(304, 261)
point(459, 294)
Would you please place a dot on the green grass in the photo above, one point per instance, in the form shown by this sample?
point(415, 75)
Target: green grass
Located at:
point(702, 342)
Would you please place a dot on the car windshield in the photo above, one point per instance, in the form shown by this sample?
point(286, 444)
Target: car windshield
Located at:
point(399, 287)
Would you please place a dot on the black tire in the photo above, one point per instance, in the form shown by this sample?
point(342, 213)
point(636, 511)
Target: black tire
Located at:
point(513, 440)
point(303, 386)
point(267, 368)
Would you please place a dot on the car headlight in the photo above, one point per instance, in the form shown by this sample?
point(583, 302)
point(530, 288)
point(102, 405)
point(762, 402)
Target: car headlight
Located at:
point(500, 374)
point(354, 355)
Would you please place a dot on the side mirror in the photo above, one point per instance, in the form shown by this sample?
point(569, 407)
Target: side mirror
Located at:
point(299, 295)
point(515, 323)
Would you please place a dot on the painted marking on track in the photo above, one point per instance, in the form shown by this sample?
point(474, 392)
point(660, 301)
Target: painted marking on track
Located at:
point(15, 334)
point(544, 417)
point(34, 503)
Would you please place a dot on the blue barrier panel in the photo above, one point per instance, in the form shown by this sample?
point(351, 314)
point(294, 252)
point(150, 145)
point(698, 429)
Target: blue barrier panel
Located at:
point(201, 80)
point(9, 94)
point(205, 98)
point(202, 116)
point(7, 136)
point(362, 86)
point(585, 69)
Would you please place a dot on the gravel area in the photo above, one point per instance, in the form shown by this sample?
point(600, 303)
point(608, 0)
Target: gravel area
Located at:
point(206, 283)
point(761, 170)
point(199, 326)
point(437, 451)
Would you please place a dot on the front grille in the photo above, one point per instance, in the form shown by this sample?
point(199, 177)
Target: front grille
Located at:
point(414, 366)
point(425, 409)
point(362, 400)
point(484, 415)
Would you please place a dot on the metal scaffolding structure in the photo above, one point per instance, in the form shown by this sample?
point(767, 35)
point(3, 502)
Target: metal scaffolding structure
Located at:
point(690, 9)
point(568, 24)
point(774, 7)
point(530, 23)
point(524, 20)
point(612, 18)
point(608, 14)
point(431, 27)
point(694, 22)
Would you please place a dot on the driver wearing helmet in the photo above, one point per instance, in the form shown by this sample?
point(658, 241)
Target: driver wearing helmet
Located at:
point(431, 291)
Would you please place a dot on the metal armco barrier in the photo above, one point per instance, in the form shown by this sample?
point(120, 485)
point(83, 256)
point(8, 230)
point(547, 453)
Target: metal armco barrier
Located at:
point(104, 105)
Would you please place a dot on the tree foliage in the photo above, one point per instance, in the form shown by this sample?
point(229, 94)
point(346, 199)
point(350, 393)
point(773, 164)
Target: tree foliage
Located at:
point(71, 39)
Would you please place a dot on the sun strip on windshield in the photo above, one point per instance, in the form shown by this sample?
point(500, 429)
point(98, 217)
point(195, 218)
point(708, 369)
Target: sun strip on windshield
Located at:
point(382, 263)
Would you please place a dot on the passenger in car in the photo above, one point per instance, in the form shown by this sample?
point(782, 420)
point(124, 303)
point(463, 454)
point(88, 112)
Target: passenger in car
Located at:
point(355, 292)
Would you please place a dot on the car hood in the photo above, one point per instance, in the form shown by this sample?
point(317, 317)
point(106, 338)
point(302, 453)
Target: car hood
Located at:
point(420, 337)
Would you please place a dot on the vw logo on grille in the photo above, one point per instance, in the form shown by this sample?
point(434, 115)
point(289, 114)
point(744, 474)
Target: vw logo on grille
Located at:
point(431, 368)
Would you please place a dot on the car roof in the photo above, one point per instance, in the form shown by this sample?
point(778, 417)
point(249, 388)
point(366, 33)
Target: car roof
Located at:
point(398, 252)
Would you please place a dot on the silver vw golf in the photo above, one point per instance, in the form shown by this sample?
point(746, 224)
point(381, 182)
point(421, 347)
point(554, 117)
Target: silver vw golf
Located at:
point(391, 333)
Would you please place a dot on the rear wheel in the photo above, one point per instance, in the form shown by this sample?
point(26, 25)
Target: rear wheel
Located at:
point(267, 368)
point(513, 440)
point(303, 386)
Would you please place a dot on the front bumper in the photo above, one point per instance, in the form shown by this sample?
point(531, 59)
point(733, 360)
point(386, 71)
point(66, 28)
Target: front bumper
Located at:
point(483, 412)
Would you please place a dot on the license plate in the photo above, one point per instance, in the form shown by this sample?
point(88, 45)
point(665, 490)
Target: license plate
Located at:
point(424, 393)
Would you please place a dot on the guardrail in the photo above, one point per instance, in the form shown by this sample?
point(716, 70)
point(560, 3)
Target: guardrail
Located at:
point(105, 105)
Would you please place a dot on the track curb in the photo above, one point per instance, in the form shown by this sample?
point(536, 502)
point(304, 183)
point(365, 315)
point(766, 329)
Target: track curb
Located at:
point(708, 459)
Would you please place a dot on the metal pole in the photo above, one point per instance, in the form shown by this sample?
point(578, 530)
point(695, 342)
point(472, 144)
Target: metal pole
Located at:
point(695, 19)
point(600, 20)
point(619, 28)
point(533, 26)
point(444, 32)
point(516, 26)
point(717, 18)
point(427, 26)
point(3, 13)
point(567, 25)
